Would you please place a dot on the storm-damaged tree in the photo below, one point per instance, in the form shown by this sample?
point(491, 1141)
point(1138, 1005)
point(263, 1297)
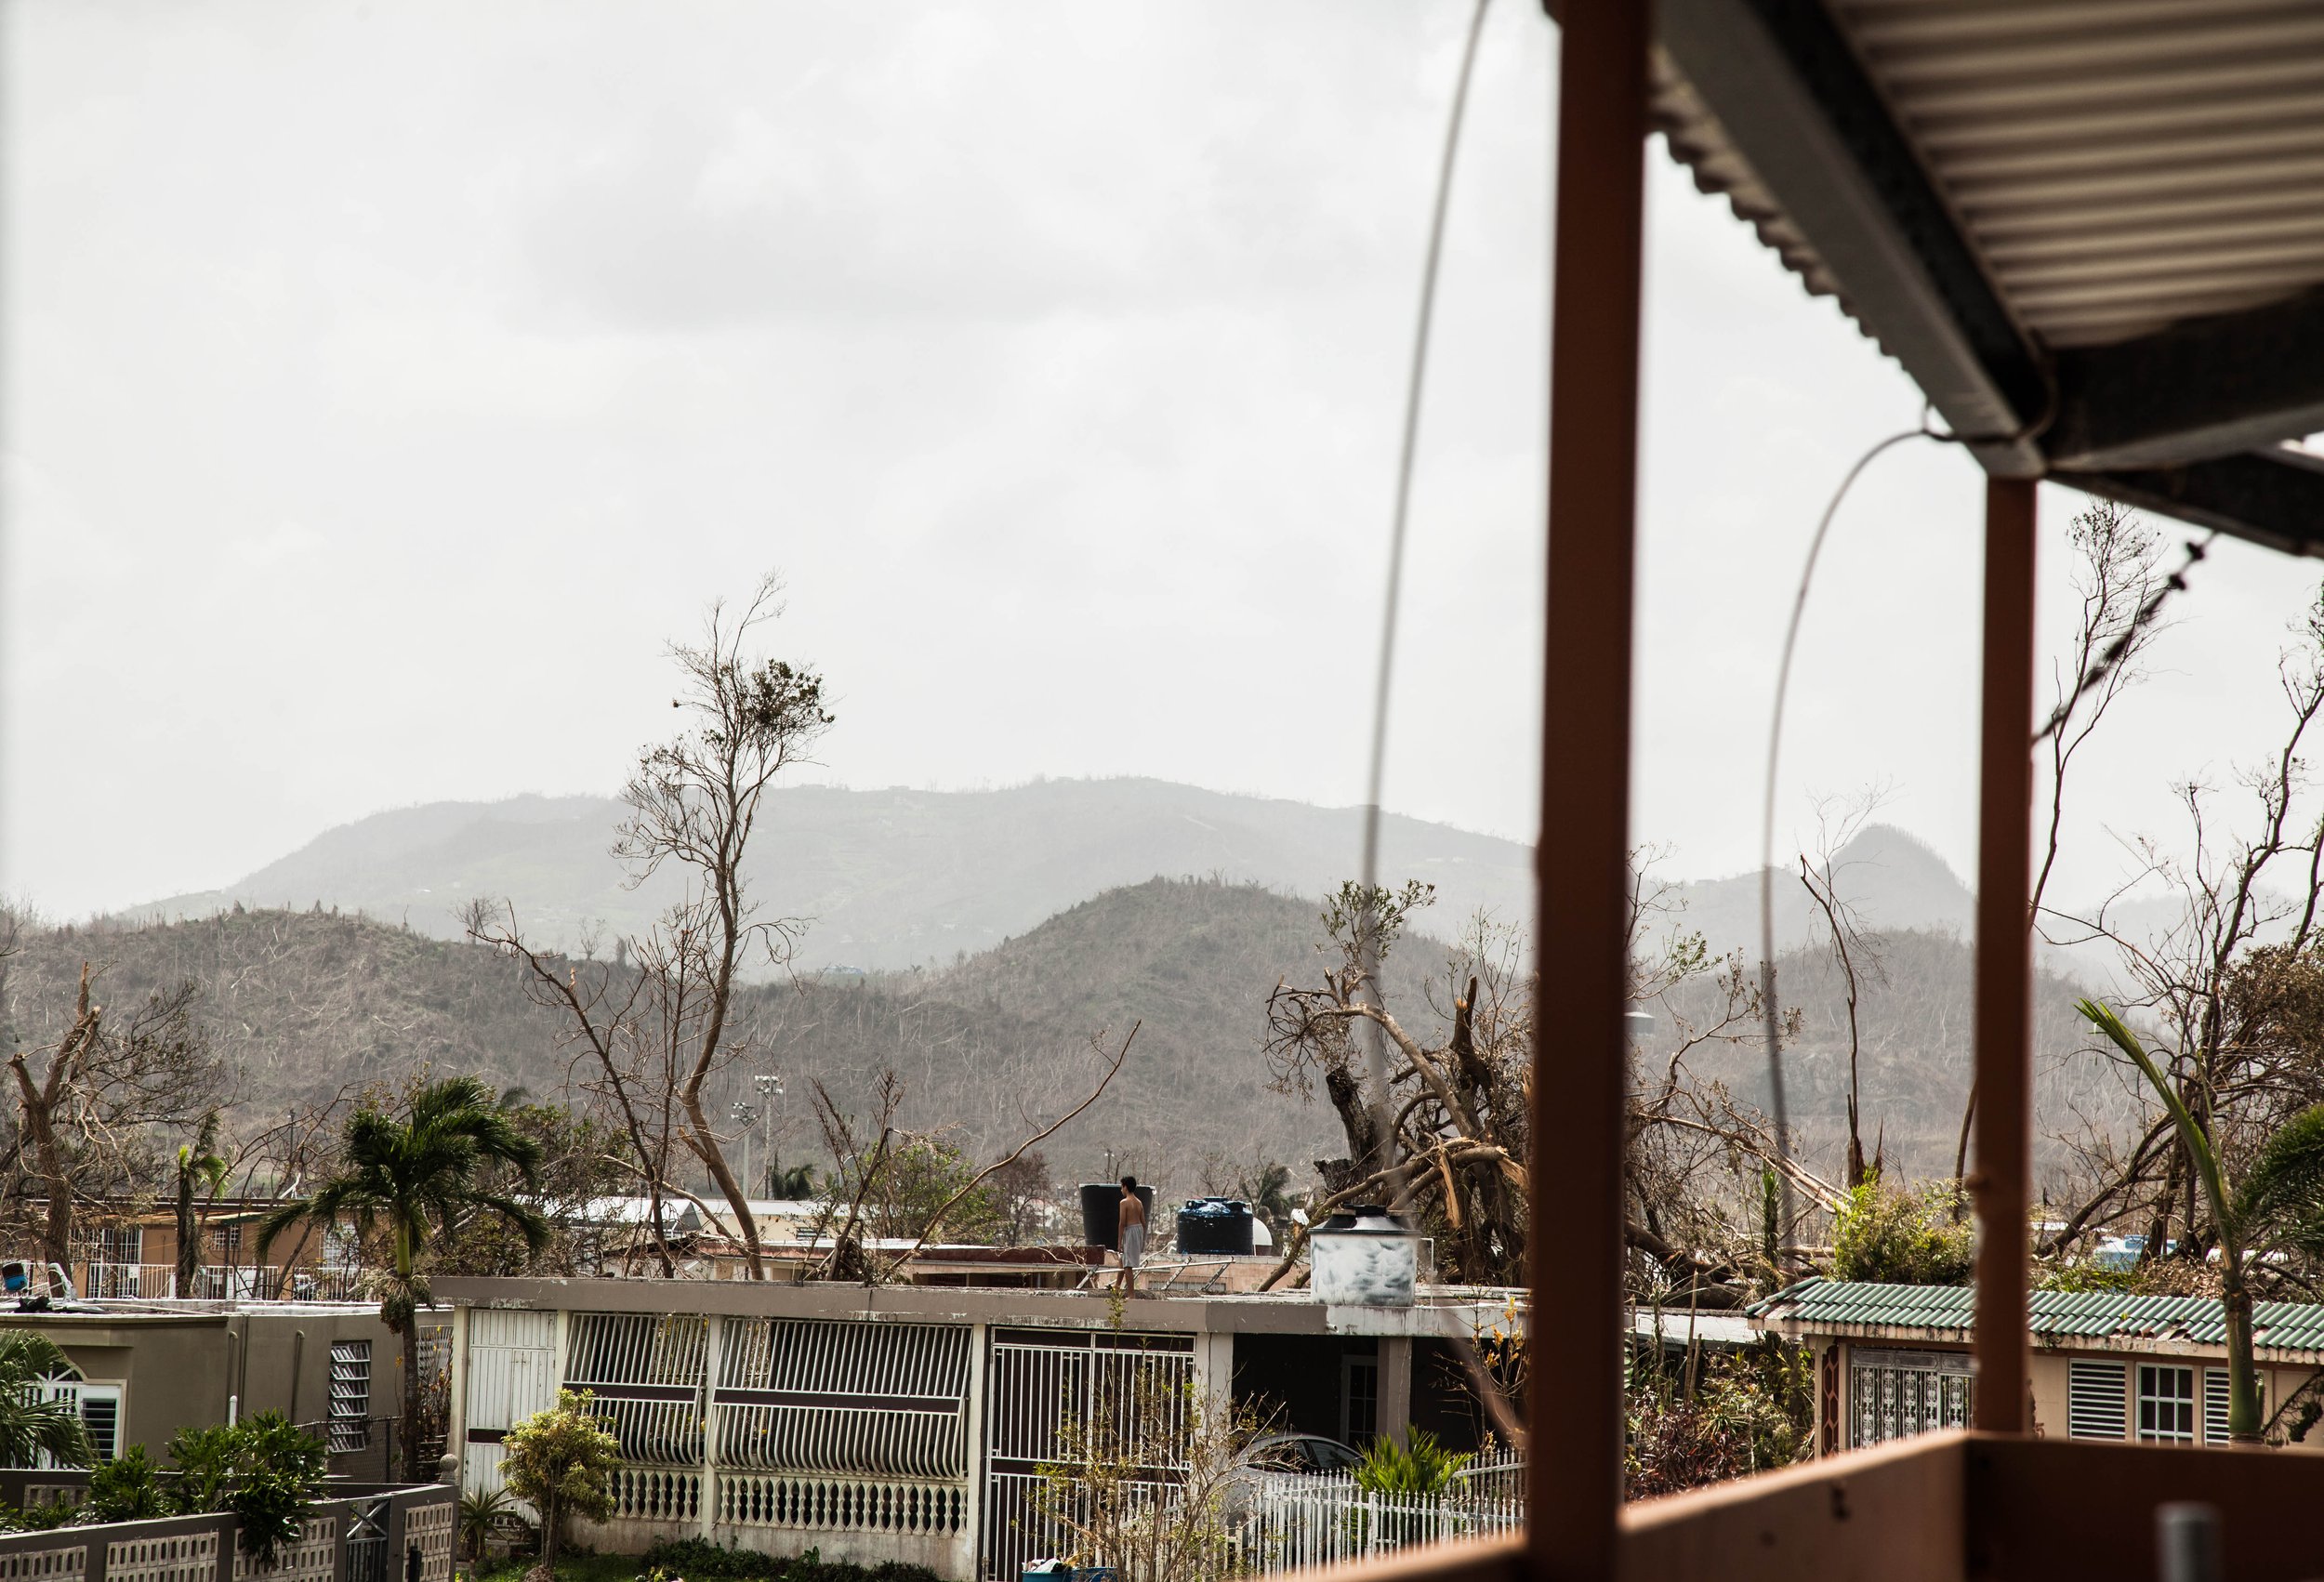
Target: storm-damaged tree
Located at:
point(2276, 1205)
point(1447, 1140)
point(1854, 952)
point(2116, 573)
point(895, 1181)
point(2230, 982)
point(92, 1096)
point(1453, 1149)
point(658, 1031)
point(199, 1165)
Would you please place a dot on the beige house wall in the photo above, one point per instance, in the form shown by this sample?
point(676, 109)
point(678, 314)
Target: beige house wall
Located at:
point(2051, 1374)
point(180, 1370)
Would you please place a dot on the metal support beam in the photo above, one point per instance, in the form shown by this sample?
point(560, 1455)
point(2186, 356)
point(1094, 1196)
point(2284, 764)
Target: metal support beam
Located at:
point(1574, 1474)
point(2273, 497)
point(2004, 994)
point(2207, 387)
point(1796, 104)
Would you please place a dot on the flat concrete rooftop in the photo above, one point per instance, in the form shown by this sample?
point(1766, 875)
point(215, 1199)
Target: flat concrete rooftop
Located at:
point(1440, 1312)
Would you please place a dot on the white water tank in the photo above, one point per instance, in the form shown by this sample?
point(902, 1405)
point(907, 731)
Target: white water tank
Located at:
point(1362, 1257)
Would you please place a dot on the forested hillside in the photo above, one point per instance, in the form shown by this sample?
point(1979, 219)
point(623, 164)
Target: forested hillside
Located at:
point(304, 1006)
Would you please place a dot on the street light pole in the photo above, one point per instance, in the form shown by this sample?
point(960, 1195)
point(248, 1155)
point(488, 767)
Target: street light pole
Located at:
point(770, 1086)
point(743, 1113)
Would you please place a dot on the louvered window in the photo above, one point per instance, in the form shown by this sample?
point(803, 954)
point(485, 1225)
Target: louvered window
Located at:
point(350, 1394)
point(2094, 1400)
point(2215, 1405)
point(2166, 1404)
point(101, 1415)
point(99, 1408)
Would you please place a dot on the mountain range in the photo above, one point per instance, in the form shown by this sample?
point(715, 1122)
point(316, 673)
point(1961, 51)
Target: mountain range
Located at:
point(896, 878)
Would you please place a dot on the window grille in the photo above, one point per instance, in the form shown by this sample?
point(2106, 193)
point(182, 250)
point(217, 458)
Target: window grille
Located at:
point(120, 1244)
point(1898, 1393)
point(350, 1396)
point(645, 1371)
point(810, 1395)
point(2166, 1404)
point(2093, 1401)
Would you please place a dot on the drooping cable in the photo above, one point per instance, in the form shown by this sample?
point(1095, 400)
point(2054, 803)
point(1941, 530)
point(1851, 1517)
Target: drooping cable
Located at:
point(1368, 923)
point(1778, 1108)
point(1486, 1388)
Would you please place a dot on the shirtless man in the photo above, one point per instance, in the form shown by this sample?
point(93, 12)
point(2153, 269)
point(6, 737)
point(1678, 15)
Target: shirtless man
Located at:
point(1130, 1232)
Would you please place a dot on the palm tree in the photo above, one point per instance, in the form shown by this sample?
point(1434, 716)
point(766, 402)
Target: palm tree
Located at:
point(198, 1161)
point(415, 1178)
point(2278, 1205)
point(29, 1424)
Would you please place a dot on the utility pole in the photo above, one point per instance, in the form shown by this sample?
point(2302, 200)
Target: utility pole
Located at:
point(770, 1086)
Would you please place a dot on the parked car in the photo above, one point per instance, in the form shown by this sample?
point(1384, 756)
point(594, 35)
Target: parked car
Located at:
point(1310, 1453)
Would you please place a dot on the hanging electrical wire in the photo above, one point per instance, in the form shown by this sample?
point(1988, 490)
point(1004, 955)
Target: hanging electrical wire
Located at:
point(1778, 1108)
point(1367, 922)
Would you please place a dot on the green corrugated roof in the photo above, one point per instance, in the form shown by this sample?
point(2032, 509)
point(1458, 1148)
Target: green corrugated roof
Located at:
point(1817, 1304)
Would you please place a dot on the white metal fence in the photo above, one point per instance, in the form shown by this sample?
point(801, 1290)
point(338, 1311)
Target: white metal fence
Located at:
point(1288, 1523)
point(248, 1282)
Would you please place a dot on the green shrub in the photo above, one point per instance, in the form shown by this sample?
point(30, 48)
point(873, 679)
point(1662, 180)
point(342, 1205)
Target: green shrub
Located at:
point(561, 1461)
point(127, 1488)
point(1902, 1238)
point(263, 1468)
point(36, 1518)
point(1425, 1468)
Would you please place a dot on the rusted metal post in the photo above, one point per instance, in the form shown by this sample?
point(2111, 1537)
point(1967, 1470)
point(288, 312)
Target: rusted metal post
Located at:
point(2005, 1009)
point(1573, 1477)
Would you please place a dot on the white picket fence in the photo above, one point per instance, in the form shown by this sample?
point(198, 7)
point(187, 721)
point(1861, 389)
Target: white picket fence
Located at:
point(1293, 1522)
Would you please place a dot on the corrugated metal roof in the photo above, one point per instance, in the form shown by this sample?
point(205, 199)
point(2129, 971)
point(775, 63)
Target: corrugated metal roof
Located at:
point(1945, 1312)
point(2117, 166)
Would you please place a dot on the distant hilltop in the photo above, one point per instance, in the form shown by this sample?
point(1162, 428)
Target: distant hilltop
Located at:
point(894, 878)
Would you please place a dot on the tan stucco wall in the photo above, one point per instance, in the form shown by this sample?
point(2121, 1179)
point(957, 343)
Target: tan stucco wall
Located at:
point(179, 1370)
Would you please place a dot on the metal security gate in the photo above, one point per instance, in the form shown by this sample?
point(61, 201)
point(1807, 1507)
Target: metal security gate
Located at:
point(511, 1374)
point(1052, 1396)
point(1900, 1393)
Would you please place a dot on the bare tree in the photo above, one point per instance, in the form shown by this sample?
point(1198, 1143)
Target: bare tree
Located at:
point(1856, 952)
point(2232, 986)
point(693, 806)
point(89, 1110)
point(2117, 575)
point(901, 1181)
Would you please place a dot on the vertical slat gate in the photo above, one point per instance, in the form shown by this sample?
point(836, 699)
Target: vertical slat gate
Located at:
point(1046, 1389)
point(511, 1374)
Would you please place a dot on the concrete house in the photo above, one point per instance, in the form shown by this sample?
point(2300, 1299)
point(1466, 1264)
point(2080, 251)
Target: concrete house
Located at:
point(909, 1422)
point(1893, 1361)
point(143, 1370)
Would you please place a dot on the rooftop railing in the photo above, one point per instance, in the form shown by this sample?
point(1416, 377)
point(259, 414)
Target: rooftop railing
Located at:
point(248, 1282)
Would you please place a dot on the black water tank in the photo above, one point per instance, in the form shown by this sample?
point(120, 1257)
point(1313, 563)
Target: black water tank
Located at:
point(1102, 1214)
point(1214, 1226)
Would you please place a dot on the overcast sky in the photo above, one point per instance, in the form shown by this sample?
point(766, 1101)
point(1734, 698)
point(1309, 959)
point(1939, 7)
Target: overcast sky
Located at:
point(385, 383)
